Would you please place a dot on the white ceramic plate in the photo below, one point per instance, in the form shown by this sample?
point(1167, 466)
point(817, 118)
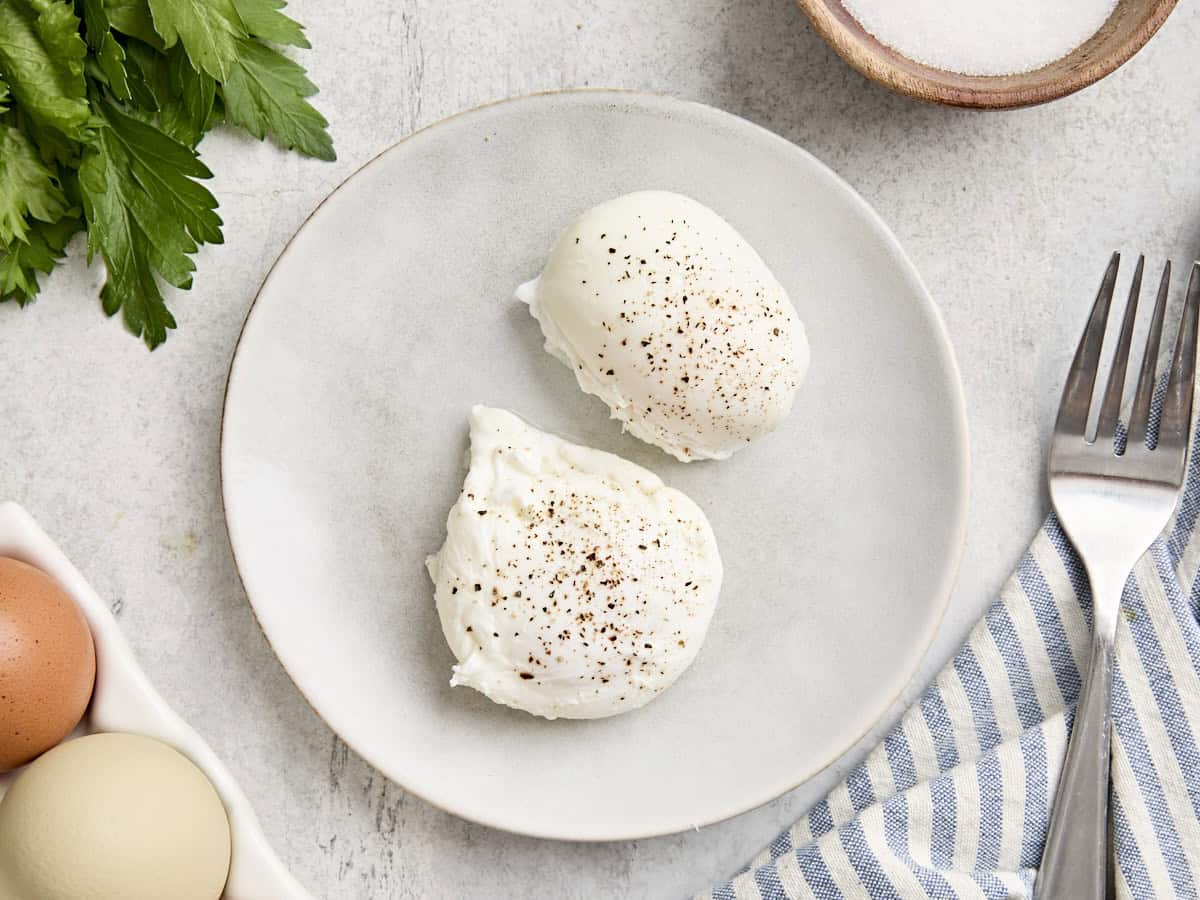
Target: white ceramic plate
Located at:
point(124, 700)
point(390, 313)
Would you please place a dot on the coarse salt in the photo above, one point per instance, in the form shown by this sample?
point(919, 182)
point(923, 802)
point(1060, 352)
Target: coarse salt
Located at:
point(982, 37)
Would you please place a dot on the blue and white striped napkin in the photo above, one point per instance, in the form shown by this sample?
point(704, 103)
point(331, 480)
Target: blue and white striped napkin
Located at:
point(954, 802)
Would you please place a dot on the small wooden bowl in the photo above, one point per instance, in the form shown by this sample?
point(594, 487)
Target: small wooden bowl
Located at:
point(1132, 23)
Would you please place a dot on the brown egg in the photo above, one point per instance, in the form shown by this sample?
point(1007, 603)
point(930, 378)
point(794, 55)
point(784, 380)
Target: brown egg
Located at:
point(47, 663)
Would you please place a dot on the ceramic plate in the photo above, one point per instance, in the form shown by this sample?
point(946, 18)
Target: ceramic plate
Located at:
point(391, 312)
point(124, 700)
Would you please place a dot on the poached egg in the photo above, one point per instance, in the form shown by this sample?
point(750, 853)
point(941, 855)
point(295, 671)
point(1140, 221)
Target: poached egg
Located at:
point(572, 583)
point(667, 314)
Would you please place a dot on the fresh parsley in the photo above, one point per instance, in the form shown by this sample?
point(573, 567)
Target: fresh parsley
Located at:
point(102, 105)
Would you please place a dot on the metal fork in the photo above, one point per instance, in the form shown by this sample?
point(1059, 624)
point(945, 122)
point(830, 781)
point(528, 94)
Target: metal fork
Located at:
point(1112, 506)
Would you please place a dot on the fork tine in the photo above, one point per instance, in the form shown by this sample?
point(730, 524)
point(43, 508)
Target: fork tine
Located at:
point(1081, 380)
point(1177, 408)
point(1139, 418)
point(1110, 409)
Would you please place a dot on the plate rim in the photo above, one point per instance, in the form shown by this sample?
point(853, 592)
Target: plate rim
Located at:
point(962, 479)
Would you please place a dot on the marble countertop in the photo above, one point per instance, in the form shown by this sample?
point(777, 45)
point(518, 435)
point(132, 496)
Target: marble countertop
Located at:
point(1009, 216)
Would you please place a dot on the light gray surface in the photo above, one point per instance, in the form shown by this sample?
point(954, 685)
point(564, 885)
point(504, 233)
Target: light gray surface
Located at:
point(1009, 216)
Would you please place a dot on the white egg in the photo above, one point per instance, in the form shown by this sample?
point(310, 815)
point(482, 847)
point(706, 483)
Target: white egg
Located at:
point(109, 816)
point(572, 583)
point(664, 312)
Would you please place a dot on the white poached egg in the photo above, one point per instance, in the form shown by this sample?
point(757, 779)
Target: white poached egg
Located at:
point(572, 582)
point(664, 312)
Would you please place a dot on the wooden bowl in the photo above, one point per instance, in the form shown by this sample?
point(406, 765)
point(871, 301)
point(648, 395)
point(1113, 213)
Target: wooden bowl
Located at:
point(1132, 23)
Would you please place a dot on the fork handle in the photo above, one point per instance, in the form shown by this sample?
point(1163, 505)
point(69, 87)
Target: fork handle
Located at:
point(1076, 857)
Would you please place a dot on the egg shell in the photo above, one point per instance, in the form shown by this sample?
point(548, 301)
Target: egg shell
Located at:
point(113, 816)
point(47, 663)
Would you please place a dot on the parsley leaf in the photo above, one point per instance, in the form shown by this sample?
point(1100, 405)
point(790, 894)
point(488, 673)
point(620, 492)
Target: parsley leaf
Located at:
point(148, 81)
point(263, 19)
point(265, 93)
point(39, 252)
point(188, 113)
point(27, 187)
point(208, 29)
point(111, 58)
point(52, 145)
point(146, 213)
point(102, 104)
point(41, 59)
point(95, 22)
point(132, 17)
point(109, 54)
point(170, 93)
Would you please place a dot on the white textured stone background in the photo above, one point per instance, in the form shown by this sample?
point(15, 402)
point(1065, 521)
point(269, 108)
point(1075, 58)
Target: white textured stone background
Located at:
point(1009, 216)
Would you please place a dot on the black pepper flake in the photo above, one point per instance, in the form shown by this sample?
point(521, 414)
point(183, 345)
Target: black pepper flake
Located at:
point(453, 590)
point(527, 675)
point(479, 587)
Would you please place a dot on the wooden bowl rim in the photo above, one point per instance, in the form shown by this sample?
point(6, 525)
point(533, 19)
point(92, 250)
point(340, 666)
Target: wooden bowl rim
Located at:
point(881, 63)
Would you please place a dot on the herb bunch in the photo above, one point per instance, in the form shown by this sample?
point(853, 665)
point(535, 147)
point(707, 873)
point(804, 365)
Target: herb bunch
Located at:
point(102, 105)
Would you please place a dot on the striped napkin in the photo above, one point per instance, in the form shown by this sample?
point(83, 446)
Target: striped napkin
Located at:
point(954, 803)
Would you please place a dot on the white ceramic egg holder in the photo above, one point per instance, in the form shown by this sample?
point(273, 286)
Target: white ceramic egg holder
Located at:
point(124, 700)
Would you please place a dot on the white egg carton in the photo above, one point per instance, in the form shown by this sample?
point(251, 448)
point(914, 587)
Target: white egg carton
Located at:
point(124, 700)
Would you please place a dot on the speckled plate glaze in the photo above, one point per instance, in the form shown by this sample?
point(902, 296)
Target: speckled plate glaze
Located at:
point(391, 312)
point(124, 700)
